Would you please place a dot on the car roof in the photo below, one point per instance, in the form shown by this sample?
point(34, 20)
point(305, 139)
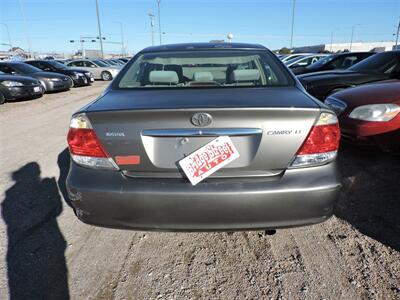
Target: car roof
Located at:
point(352, 53)
point(203, 46)
point(12, 62)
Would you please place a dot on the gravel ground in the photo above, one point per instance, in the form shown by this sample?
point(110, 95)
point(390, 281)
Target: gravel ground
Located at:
point(46, 253)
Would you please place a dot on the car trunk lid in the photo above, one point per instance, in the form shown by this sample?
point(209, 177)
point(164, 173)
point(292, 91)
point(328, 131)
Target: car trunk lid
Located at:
point(266, 125)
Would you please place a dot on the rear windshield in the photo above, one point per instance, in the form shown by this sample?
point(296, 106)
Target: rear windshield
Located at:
point(218, 68)
point(57, 65)
point(381, 63)
point(25, 68)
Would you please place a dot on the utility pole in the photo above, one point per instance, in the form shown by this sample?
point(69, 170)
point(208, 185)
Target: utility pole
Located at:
point(291, 36)
point(121, 38)
point(397, 35)
point(159, 19)
point(151, 16)
point(8, 34)
point(99, 27)
point(352, 35)
point(26, 28)
point(332, 32)
point(82, 50)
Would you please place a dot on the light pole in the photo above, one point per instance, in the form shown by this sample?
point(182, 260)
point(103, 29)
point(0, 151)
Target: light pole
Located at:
point(99, 27)
point(352, 35)
point(397, 35)
point(291, 35)
point(159, 19)
point(151, 16)
point(8, 34)
point(26, 28)
point(121, 30)
point(332, 32)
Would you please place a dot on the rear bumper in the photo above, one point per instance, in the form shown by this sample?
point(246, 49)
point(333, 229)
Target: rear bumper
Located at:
point(299, 197)
point(383, 134)
point(55, 86)
point(81, 81)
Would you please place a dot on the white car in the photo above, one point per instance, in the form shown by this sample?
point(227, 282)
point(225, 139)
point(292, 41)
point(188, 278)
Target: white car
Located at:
point(98, 68)
point(291, 56)
point(304, 60)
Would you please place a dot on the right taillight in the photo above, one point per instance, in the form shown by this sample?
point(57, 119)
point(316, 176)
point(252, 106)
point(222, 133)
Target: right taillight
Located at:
point(321, 144)
point(84, 146)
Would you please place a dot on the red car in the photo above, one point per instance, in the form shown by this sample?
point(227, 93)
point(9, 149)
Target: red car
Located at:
point(370, 114)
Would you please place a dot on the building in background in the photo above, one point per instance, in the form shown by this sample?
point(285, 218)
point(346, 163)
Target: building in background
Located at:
point(340, 47)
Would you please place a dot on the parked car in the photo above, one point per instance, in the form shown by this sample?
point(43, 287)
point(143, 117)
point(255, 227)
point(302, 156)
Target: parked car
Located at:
point(204, 137)
point(303, 61)
point(51, 82)
point(115, 62)
point(13, 87)
point(381, 66)
point(99, 69)
point(79, 77)
point(370, 114)
point(340, 61)
point(124, 60)
point(286, 57)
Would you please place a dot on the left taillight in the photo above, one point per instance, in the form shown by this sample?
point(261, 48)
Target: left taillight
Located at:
point(84, 146)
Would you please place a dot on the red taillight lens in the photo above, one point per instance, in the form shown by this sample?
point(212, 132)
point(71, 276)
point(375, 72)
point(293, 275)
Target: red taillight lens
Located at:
point(84, 142)
point(321, 139)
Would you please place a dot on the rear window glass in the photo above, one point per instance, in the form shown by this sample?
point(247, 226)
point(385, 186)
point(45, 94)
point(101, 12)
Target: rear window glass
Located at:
point(190, 69)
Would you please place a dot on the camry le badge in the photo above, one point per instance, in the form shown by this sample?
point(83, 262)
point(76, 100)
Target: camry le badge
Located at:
point(201, 119)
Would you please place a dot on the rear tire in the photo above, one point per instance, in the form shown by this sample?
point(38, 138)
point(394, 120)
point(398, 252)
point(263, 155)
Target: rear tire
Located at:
point(73, 83)
point(2, 99)
point(106, 76)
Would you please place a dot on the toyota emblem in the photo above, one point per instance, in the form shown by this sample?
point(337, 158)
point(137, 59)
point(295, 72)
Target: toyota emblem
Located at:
point(201, 119)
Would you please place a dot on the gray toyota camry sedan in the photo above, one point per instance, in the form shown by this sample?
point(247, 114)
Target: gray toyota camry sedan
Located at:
point(204, 137)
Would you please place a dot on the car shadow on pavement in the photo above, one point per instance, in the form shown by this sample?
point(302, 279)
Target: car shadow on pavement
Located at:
point(371, 187)
point(36, 263)
point(63, 161)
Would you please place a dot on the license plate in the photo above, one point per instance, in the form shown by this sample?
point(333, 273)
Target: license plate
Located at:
point(209, 159)
point(36, 89)
point(92, 79)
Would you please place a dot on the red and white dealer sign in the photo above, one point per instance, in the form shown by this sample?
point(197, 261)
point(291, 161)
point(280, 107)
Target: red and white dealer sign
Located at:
point(209, 159)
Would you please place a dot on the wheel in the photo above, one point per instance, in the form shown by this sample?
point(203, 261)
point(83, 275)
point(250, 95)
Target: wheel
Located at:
point(2, 99)
point(73, 83)
point(106, 76)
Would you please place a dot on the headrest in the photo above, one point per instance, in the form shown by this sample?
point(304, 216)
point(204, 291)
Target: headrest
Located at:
point(246, 75)
point(203, 76)
point(163, 77)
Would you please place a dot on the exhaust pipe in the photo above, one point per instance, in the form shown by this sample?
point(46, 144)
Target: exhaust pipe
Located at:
point(270, 232)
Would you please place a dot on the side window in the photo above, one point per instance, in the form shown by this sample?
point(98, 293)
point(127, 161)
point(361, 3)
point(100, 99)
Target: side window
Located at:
point(89, 64)
point(314, 60)
point(35, 64)
point(349, 61)
point(344, 62)
point(6, 69)
point(42, 66)
point(76, 64)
